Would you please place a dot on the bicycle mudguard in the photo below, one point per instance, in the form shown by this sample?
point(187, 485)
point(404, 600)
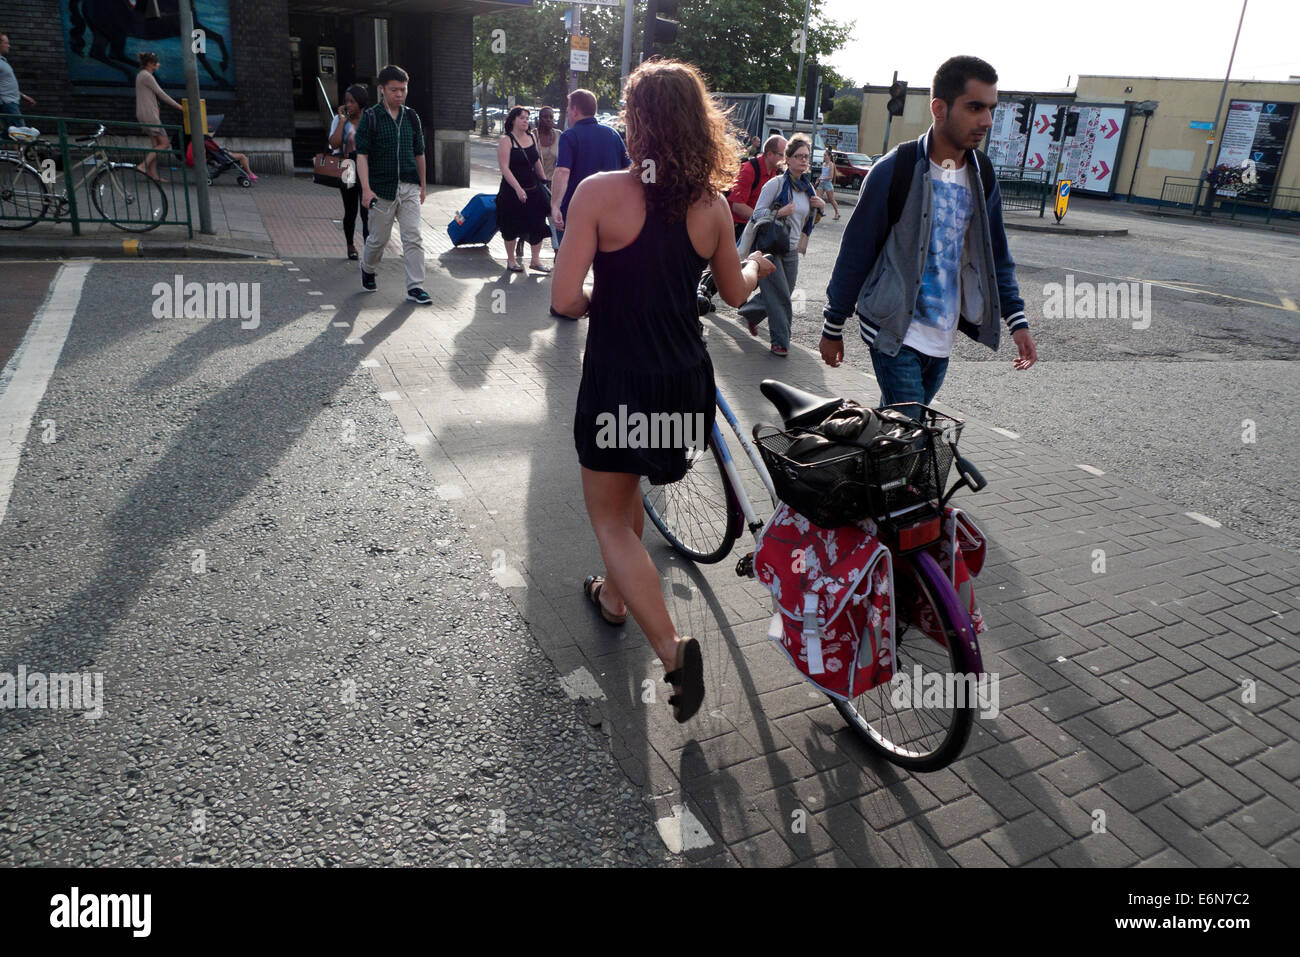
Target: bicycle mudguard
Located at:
point(938, 582)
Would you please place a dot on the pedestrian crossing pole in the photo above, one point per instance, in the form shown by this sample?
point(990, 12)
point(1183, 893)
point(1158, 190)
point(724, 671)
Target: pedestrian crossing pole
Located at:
point(196, 120)
point(576, 31)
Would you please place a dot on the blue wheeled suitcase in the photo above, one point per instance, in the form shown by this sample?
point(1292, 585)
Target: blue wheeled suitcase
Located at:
point(476, 223)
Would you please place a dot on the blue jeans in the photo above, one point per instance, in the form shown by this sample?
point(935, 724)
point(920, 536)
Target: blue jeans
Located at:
point(910, 376)
point(6, 122)
point(773, 301)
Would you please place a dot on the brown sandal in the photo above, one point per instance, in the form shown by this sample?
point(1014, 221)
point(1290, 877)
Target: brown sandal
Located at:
point(592, 588)
point(687, 679)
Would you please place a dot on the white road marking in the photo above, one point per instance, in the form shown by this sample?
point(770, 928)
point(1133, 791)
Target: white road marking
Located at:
point(390, 396)
point(508, 577)
point(1089, 469)
point(25, 377)
point(354, 342)
point(365, 363)
point(449, 492)
point(1007, 432)
point(683, 831)
point(1204, 519)
point(580, 684)
point(340, 325)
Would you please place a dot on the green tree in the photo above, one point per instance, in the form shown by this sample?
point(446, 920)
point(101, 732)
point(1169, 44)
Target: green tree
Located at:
point(742, 46)
point(847, 109)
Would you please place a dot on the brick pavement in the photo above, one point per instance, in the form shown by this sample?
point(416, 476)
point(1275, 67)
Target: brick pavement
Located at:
point(1123, 738)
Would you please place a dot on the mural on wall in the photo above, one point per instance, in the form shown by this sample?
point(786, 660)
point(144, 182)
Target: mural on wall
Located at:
point(102, 38)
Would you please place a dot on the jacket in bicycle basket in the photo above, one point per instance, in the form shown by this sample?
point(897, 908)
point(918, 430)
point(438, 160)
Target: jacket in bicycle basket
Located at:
point(833, 596)
point(861, 463)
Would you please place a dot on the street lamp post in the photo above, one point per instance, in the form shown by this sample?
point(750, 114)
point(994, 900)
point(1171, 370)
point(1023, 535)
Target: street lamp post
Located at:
point(1218, 137)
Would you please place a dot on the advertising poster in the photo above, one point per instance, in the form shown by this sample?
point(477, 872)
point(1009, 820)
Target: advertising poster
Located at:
point(102, 37)
point(1091, 155)
point(1256, 130)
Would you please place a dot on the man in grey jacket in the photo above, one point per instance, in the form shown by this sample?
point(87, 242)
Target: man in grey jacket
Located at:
point(938, 261)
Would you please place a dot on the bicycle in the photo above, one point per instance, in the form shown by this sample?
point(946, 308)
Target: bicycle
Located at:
point(117, 189)
point(702, 515)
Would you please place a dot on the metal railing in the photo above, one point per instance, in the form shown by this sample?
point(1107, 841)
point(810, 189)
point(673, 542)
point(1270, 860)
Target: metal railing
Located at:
point(84, 171)
point(1188, 194)
point(1023, 189)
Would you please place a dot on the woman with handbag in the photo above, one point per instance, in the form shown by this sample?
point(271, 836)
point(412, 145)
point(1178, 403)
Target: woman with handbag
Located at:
point(780, 227)
point(522, 200)
point(343, 141)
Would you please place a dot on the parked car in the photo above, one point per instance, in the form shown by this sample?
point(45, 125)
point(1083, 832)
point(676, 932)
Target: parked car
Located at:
point(850, 168)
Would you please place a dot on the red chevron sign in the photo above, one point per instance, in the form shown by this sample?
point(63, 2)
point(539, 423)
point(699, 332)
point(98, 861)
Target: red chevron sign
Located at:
point(1114, 128)
point(1105, 170)
point(1044, 122)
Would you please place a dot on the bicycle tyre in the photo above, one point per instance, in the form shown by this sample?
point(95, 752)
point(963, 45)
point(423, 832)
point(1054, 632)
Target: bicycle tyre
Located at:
point(20, 183)
point(887, 730)
point(135, 188)
point(699, 515)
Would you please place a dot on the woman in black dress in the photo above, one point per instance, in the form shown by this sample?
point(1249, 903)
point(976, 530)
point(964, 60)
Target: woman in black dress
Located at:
point(649, 239)
point(522, 204)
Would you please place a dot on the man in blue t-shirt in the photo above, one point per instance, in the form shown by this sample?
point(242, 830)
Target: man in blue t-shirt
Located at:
point(586, 147)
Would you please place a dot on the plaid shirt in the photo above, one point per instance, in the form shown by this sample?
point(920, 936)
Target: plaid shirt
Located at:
point(390, 147)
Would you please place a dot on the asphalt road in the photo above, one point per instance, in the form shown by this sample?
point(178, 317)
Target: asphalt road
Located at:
point(1165, 407)
point(304, 659)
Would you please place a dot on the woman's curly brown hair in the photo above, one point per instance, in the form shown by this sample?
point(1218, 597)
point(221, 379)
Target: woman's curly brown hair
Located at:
point(674, 124)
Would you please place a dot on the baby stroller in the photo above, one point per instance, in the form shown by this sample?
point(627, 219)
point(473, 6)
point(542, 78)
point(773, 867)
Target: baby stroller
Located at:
point(218, 159)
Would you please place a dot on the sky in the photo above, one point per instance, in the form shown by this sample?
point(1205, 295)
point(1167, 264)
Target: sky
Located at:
point(1045, 46)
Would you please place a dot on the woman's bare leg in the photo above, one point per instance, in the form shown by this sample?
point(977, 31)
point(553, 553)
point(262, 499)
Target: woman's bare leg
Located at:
point(510, 252)
point(614, 506)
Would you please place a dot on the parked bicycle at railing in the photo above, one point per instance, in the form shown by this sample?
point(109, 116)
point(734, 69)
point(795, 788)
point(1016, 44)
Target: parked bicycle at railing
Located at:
point(29, 185)
point(897, 481)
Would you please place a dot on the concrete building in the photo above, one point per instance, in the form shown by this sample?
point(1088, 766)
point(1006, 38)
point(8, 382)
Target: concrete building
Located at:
point(263, 67)
point(1171, 142)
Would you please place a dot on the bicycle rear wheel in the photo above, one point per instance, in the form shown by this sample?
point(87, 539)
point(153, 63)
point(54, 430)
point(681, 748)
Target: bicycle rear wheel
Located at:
point(698, 515)
point(932, 736)
point(128, 198)
point(23, 196)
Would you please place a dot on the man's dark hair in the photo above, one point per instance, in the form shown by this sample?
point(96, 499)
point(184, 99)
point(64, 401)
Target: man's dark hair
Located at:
point(390, 73)
point(950, 79)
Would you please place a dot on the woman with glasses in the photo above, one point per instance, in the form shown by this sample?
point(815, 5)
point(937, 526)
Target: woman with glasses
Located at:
point(794, 197)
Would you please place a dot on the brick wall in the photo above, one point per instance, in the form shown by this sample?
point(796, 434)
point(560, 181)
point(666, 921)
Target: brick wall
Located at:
point(259, 44)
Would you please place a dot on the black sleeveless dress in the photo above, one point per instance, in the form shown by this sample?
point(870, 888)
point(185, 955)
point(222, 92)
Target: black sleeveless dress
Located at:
point(514, 218)
point(647, 389)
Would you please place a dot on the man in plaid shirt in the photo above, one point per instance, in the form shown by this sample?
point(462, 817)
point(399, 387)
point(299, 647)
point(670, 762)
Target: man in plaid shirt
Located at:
point(390, 168)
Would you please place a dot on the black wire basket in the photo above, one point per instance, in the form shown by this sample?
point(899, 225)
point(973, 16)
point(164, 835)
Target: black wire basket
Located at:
point(846, 483)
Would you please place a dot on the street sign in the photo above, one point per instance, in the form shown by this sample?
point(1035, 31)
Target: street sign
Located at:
point(579, 53)
point(1062, 199)
point(1201, 125)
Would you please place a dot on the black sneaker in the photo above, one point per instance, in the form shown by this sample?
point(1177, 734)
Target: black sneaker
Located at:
point(418, 296)
point(368, 281)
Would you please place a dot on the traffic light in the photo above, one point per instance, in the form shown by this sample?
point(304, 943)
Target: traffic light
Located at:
point(897, 97)
point(810, 92)
point(1071, 124)
point(1057, 122)
point(658, 30)
point(1024, 114)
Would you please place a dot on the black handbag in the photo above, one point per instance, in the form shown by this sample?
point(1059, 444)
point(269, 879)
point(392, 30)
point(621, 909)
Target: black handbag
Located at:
point(772, 237)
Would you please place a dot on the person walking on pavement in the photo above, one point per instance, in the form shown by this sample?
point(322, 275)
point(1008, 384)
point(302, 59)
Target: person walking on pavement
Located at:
point(586, 148)
point(147, 96)
point(794, 199)
point(521, 200)
point(648, 242)
point(753, 176)
point(391, 171)
point(343, 140)
point(11, 97)
point(826, 182)
point(925, 251)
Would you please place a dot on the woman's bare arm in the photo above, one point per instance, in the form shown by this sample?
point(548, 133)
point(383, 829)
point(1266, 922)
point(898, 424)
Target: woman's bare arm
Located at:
point(735, 280)
point(576, 252)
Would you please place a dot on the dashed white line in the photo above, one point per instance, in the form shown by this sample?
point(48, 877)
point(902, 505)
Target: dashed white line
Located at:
point(1007, 432)
point(1203, 519)
point(1089, 469)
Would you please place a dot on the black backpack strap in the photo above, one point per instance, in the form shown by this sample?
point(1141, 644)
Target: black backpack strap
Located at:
point(900, 183)
point(987, 176)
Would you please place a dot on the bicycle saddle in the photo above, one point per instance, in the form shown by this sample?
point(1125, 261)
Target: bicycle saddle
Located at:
point(24, 134)
point(796, 407)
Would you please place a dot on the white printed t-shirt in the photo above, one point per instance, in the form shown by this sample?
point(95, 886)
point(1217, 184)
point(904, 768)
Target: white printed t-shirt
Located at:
point(938, 304)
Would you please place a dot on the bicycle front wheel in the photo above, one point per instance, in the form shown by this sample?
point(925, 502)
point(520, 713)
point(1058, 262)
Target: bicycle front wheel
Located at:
point(23, 196)
point(698, 515)
point(128, 198)
point(931, 652)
